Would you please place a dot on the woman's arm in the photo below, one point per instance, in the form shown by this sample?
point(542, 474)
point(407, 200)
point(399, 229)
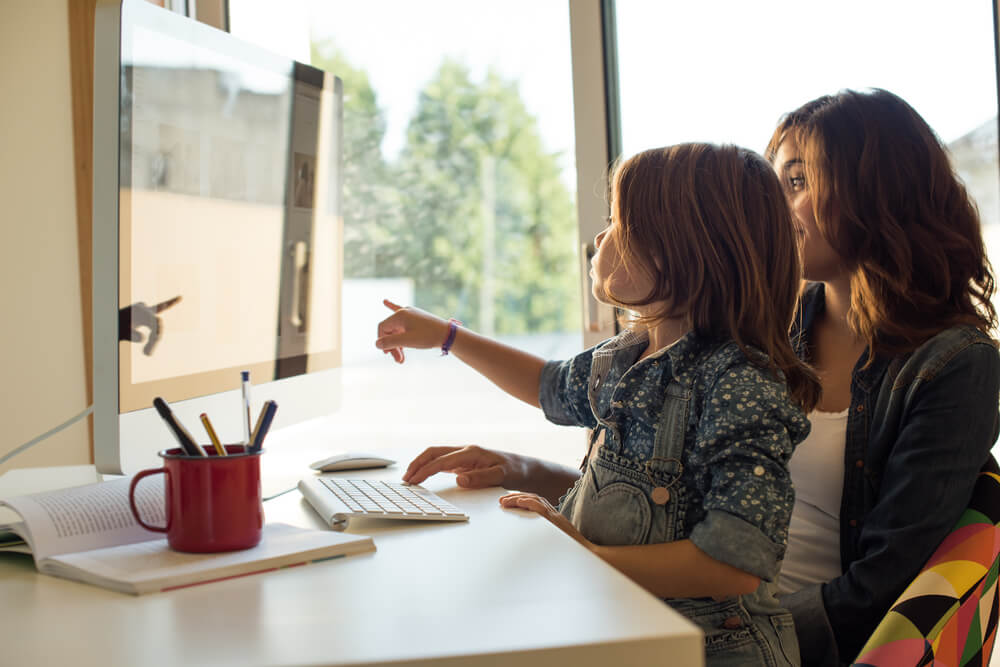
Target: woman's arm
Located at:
point(516, 372)
point(937, 438)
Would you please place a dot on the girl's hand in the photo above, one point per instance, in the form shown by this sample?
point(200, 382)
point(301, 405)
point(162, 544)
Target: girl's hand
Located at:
point(409, 327)
point(535, 503)
point(475, 467)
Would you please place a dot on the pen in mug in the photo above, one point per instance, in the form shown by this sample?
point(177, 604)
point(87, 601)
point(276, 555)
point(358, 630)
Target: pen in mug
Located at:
point(219, 449)
point(188, 444)
point(263, 424)
point(245, 418)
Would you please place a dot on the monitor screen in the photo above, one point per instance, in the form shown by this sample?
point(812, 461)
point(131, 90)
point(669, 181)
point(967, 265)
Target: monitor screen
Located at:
point(217, 230)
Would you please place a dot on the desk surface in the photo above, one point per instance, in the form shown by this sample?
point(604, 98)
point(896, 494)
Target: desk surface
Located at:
point(505, 587)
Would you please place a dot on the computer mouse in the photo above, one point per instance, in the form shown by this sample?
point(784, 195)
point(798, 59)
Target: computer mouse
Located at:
point(351, 461)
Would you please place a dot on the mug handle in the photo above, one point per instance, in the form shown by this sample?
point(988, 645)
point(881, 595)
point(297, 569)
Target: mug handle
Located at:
point(131, 497)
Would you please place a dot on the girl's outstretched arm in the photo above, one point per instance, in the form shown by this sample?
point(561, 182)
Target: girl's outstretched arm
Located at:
point(667, 570)
point(516, 372)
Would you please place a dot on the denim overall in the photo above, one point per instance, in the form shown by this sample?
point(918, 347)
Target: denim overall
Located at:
point(624, 501)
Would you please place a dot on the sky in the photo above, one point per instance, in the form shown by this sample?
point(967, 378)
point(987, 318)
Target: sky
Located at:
point(722, 70)
point(753, 61)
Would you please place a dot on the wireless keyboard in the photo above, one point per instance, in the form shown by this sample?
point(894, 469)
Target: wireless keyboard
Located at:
point(337, 500)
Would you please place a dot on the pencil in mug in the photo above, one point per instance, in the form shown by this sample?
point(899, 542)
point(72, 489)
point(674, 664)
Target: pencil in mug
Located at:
point(219, 449)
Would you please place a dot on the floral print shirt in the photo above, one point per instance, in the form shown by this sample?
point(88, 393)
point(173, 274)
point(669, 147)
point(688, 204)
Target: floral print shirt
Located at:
point(741, 430)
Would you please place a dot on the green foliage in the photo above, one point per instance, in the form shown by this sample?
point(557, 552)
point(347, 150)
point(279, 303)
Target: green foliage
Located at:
point(366, 197)
point(473, 210)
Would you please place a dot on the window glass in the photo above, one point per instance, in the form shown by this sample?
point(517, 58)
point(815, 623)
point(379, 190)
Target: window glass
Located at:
point(458, 189)
point(725, 71)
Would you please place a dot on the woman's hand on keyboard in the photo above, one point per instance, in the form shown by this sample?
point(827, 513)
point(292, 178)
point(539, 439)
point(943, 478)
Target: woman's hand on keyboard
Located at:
point(474, 466)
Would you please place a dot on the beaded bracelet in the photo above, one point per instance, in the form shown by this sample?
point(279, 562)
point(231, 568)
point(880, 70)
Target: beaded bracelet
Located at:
point(453, 326)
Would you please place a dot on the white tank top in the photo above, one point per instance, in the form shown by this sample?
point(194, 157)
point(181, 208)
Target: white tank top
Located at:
point(817, 469)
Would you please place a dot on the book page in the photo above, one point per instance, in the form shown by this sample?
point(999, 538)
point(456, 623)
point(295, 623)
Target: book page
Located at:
point(88, 517)
point(153, 566)
point(11, 540)
point(26, 481)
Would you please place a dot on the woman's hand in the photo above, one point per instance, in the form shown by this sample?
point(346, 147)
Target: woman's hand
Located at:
point(475, 467)
point(535, 503)
point(409, 327)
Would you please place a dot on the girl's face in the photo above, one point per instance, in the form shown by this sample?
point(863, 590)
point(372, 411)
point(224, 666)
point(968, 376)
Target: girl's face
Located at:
point(820, 262)
point(613, 280)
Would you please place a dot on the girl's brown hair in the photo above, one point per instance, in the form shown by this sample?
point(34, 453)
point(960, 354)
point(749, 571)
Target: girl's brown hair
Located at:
point(711, 225)
point(886, 198)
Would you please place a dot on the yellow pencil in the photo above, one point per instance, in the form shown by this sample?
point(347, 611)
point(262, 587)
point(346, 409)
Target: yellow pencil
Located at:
point(219, 449)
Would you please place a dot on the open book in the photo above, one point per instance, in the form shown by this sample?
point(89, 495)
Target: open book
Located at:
point(87, 533)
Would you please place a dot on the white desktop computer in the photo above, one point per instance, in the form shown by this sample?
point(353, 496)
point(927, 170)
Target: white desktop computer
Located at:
point(217, 233)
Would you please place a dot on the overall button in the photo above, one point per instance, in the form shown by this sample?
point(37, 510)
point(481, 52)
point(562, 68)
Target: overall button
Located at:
point(660, 495)
point(758, 471)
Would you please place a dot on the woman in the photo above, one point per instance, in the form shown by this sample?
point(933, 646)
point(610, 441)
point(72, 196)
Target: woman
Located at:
point(895, 320)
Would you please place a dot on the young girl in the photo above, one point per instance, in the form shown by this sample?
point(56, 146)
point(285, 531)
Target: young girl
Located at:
point(695, 407)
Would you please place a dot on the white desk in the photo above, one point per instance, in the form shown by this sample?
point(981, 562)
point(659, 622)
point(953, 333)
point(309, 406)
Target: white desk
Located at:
point(505, 588)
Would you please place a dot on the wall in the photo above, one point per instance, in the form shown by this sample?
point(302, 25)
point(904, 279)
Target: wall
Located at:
point(41, 346)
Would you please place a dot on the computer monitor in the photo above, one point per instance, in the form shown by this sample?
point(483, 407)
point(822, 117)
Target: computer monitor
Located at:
point(216, 195)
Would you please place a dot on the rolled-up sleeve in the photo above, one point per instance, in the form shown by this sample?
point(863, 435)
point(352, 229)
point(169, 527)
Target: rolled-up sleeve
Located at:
point(745, 437)
point(562, 392)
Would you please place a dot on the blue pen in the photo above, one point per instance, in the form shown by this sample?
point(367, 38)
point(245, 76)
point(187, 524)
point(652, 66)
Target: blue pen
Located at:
point(245, 418)
point(263, 424)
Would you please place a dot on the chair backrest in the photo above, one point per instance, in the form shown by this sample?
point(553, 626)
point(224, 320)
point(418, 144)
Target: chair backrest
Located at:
point(948, 613)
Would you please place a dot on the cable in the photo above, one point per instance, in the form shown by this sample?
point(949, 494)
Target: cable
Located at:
point(279, 493)
point(34, 441)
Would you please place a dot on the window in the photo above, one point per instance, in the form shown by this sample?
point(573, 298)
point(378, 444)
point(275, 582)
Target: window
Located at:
point(726, 71)
point(459, 196)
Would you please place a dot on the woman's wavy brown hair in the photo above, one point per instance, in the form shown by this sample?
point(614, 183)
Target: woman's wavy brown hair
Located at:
point(712, 226)
point(887, 200)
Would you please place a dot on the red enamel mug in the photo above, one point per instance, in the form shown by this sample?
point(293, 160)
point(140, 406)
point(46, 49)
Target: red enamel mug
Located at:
point(213, 503)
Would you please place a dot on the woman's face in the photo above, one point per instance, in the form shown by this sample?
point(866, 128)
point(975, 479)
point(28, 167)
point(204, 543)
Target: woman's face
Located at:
point(820, 261)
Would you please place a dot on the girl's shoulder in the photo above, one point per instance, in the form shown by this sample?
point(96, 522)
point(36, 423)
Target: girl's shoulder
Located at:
point(737, 387)
point(728, 362)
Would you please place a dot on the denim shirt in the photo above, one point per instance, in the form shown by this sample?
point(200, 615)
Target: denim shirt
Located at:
point(739, 434)
point(919, 428)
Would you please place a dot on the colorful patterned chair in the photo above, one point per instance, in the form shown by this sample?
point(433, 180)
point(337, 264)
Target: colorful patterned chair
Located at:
point(947, 616)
